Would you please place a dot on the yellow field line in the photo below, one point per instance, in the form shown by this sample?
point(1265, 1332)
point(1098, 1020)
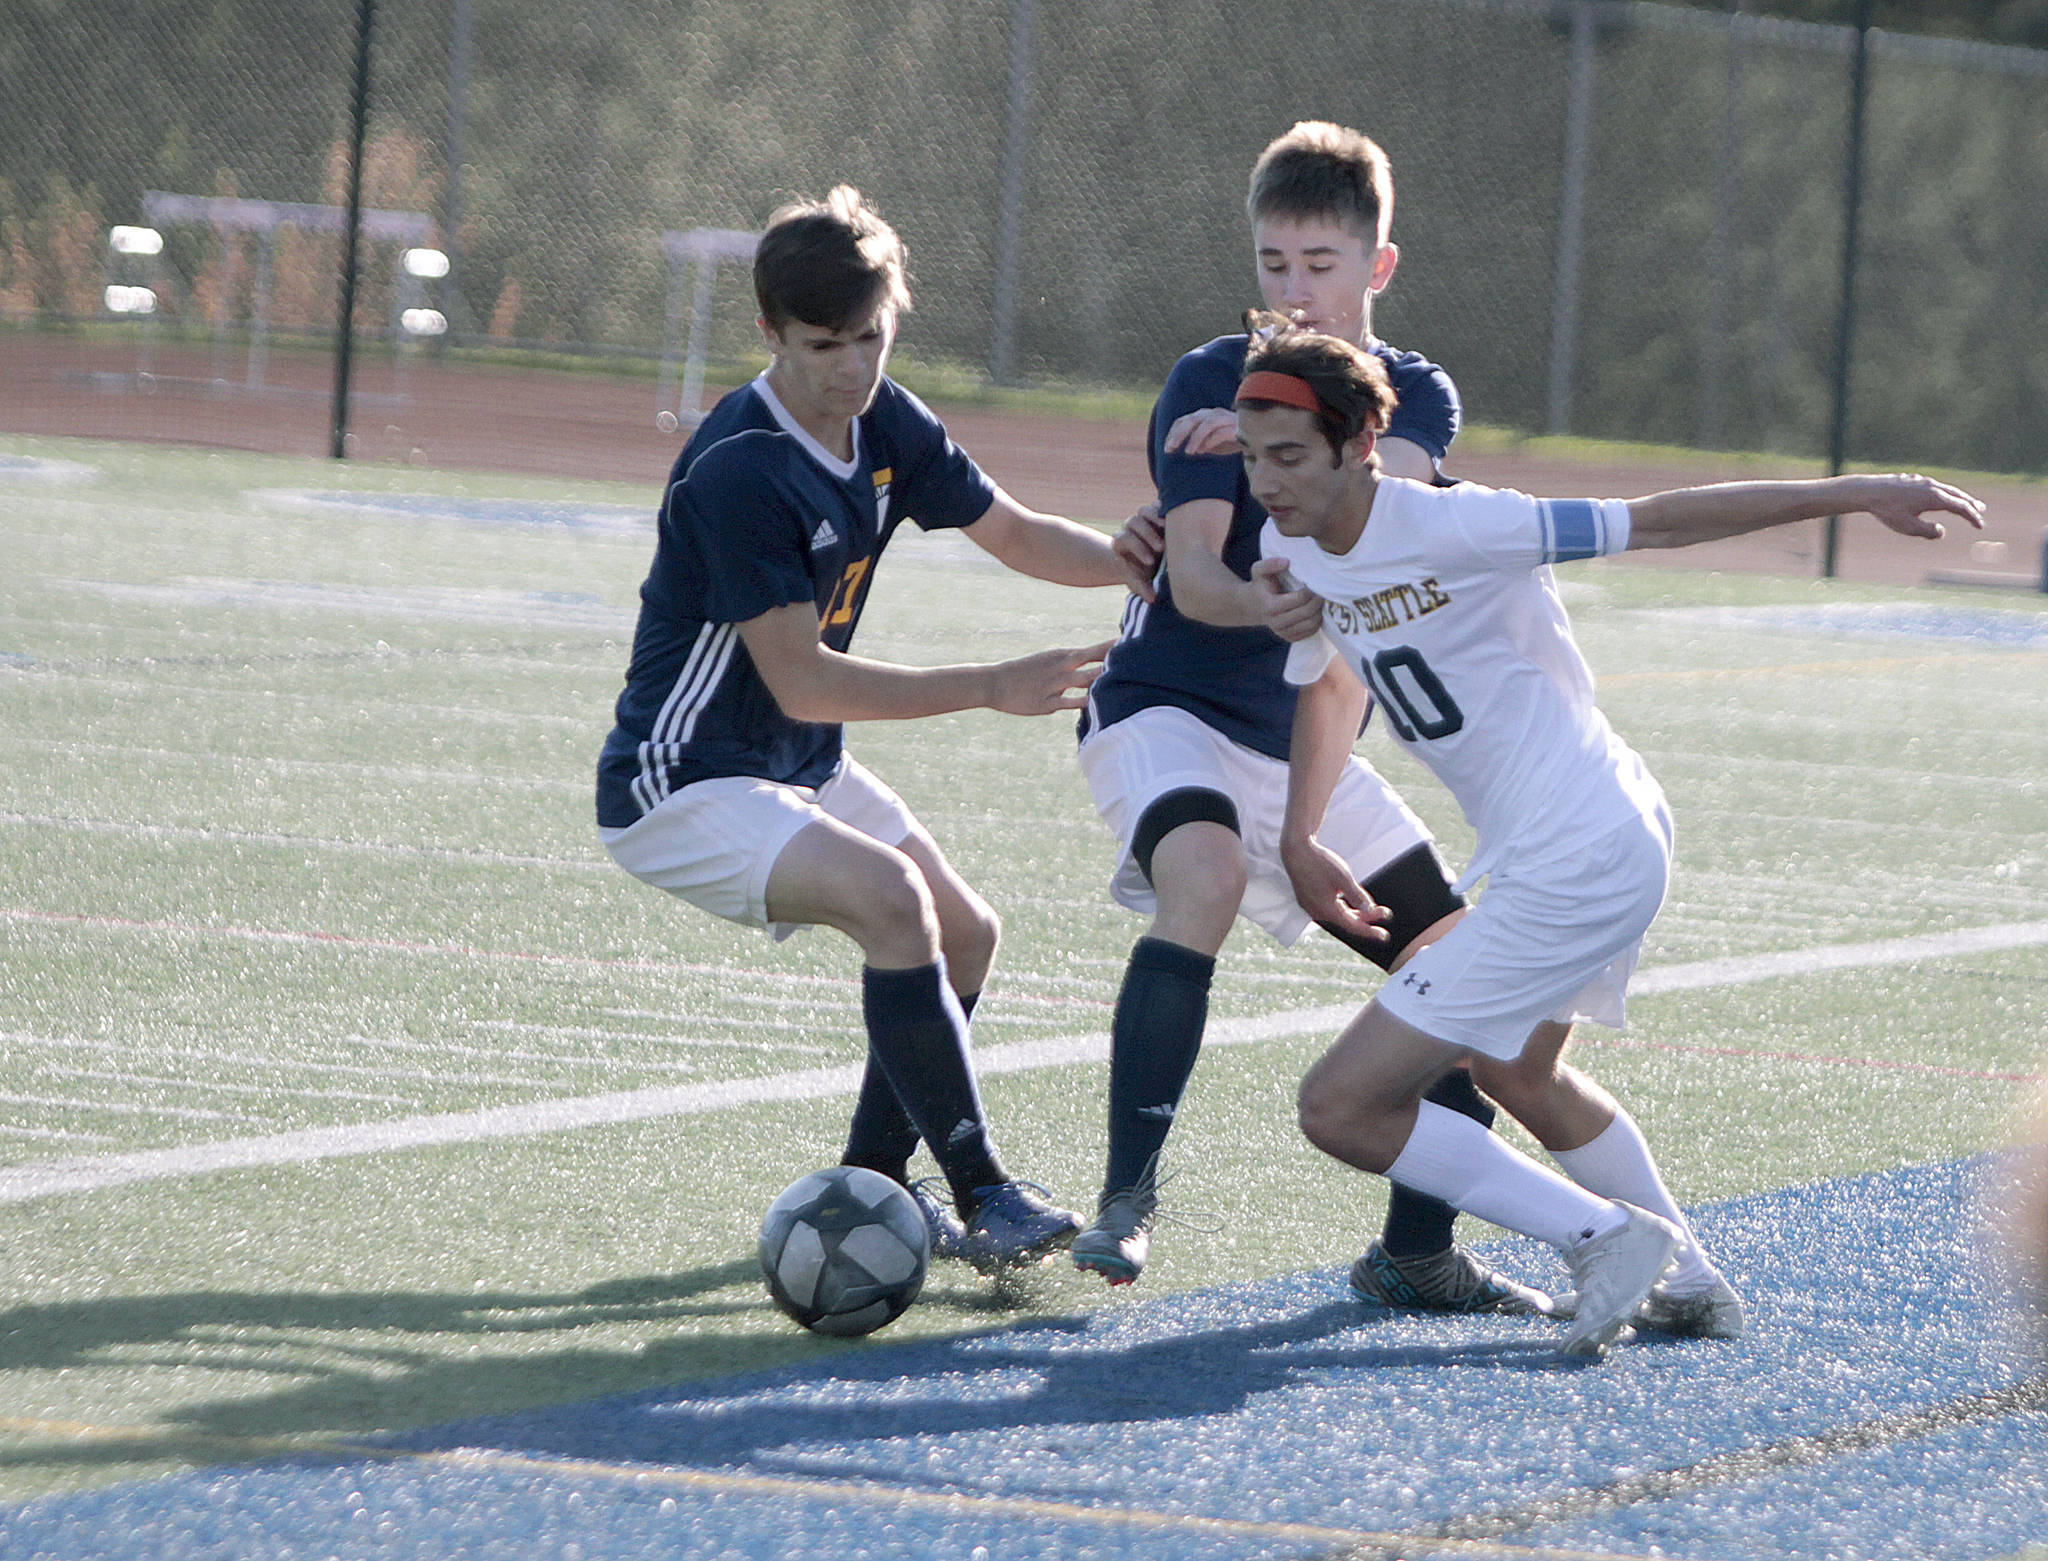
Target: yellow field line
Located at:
point(1477, 1535)
point(1351, 1542)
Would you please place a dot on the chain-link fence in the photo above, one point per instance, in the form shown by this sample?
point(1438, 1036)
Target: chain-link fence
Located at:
point(1616, 219)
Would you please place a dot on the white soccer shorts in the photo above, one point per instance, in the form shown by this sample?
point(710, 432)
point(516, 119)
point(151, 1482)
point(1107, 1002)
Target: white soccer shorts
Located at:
point(1555, 939)
point(714, 843)
point(1134, 762)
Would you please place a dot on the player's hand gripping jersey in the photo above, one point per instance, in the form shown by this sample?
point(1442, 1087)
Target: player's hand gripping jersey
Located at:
point(759, 515)
point(1447, 610)
point(1231, 678)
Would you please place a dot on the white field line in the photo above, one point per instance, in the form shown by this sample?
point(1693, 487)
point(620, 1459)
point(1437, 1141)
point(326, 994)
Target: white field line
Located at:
point(285, 1065)
point(579, 1032)
point(124, 1108)
point(412, 948)
point(524, 610)
point(160, 694)
point(19, 1184)
point(261, 1063)
point(269, 1092)
point(213, 759)
point(62, 1135)
point(594, 863)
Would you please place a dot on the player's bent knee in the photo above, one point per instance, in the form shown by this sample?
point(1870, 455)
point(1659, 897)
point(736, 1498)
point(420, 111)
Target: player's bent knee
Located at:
point(1197, 870)
point(887, 908)
point(971, 932)
point(1341, 1127)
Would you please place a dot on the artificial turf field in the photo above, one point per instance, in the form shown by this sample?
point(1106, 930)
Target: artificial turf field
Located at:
point(358, 1111)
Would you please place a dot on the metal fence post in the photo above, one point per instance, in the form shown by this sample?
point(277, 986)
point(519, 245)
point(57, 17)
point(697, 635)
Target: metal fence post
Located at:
point(452, 306)
point(1845, 324)
point(1571, 219)
point(1009, 223)
point(344, 325)
point(1713, 428)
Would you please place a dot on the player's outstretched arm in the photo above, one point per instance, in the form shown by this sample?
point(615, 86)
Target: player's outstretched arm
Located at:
point(812, 682)
point(1326, 722)
point(1903, 501)
point(1051, 547)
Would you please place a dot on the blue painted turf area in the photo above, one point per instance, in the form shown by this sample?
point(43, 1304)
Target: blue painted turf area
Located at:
point(551, 514)
point(1999, 627)
point(1884, 1406)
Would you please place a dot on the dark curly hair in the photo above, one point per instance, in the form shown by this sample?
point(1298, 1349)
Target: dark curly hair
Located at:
point(1350, 384)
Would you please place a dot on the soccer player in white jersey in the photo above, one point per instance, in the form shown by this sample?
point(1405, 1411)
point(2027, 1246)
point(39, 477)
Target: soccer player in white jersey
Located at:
point(1440, 603)
point(726, 781)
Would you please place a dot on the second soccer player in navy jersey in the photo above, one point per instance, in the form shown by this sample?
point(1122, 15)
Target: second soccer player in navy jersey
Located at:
point(726, 781)
point(1185, 738)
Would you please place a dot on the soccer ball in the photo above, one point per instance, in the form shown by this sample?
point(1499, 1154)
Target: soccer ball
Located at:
point(845, 1250)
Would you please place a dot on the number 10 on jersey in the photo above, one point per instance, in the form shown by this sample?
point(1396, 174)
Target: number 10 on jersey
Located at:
point(1414, 697)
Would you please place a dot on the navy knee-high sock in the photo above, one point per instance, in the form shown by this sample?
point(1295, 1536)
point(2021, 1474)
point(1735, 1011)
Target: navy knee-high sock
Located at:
point(1418, 1224)
point(918, 1034)
point(1154, 1039)
point(882, 1137)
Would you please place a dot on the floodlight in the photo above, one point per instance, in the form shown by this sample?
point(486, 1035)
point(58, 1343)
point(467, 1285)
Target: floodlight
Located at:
point(135, 241)
point(130, 300)
point(429, 265)
point(424, 322)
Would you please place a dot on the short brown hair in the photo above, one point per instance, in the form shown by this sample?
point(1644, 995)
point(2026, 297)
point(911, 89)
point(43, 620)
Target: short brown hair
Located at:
point(1350, 384)
point(829, 263)
point(1318, 169)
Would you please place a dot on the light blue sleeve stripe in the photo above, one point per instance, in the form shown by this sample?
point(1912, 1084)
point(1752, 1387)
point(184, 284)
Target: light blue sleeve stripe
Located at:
point(1571, 529)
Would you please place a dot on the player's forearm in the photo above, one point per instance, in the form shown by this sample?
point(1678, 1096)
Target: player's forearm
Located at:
point(837, 687)
point(1732, 509)
point(1210, 591)
point(1047, 547)
point(1326, 720)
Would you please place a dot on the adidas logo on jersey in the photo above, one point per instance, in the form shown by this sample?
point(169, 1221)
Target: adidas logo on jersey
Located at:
point(824, 536)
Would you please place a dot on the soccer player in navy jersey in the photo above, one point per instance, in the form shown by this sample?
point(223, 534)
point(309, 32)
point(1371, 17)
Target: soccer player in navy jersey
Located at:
point(726, 781)
point(1185, 737)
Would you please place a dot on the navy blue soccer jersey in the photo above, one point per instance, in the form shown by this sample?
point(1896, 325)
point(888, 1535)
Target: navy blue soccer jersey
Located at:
point(1232, 678)
point(758, 515)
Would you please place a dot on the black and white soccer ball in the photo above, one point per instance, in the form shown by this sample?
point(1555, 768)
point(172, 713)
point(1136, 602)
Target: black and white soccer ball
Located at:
point(845, 1250)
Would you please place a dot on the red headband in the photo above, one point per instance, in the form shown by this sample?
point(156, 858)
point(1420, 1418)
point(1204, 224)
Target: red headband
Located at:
point(1287, 389)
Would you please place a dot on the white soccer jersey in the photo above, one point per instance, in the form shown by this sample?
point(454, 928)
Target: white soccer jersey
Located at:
point(1446, 608)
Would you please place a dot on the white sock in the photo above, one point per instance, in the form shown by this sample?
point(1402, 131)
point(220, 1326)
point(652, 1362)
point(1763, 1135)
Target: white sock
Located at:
point(1453, 1158)
point(1617, 1164)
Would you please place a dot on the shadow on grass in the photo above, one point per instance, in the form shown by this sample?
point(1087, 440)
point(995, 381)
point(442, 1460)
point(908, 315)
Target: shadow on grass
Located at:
point(312, 1367)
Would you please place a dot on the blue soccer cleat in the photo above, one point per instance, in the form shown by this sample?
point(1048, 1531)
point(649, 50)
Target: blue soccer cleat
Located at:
point(940, 1222)
point(1013, 1225)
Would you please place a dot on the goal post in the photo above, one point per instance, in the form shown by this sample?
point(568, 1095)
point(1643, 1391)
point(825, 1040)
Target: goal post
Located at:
point(702, 251)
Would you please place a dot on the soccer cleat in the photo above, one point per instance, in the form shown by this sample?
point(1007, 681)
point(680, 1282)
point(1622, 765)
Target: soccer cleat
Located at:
point(1013, 1225)
point(1453, 1280)
point(1612, 1274)
point(940, 1222)
point(1120, 1240)
point(1713, 1313)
